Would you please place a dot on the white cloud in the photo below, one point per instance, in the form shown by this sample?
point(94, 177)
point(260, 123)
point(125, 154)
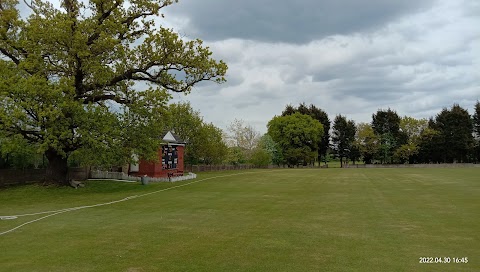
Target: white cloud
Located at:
point(414, 57)
point(416, 65)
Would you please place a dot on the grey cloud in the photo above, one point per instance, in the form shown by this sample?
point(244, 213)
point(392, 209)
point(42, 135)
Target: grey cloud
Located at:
point(416, 66)
point(370, 91)
point(234, 79)
point(288, 21)
point(472, 8)
point(242, 105)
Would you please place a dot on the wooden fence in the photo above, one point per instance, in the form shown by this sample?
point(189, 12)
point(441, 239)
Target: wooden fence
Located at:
point(27, 176)
point(430, 165)
point(204, 168)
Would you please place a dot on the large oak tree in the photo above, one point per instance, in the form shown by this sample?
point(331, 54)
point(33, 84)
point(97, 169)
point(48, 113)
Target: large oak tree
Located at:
point(68, 77)
point(319, 115)
point(296, 136)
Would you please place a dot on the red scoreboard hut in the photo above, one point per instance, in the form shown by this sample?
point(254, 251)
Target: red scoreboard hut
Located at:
point(170, 159)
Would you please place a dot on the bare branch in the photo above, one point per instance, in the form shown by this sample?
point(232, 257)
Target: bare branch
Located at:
point(29, 5)
point(10, 56)
point(104, 97)
point(124, 76)
point(123, 36)
point(30, 135)
point(129, 20)
point(31, 114)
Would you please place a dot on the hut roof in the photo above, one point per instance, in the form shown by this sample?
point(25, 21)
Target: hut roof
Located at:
point(170, 137)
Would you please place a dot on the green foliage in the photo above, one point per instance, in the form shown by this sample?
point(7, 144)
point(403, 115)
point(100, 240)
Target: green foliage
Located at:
point(412, 127)
point(212, 149)
point(388, 145)
point(412, 130)
point(476, 129)
point(205, 143)
point(354, 155)
point(244, 138)
point(343, 136)
point(243, 135)
point(297, 137)
point(319, 115)
point(386, 124)
point(260, 157)
point(68, 75)
point(406, 152)
point(289, 110)
point(455, 128)
point(16, 152)
point(236, 155)
point(367, 142)
point(476, 120)
point(268, 144)
point(386, 121)
point(187, 124)
point(428, 146)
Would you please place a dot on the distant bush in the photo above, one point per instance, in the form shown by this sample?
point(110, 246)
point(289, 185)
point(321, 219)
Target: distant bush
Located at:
point(260, 158)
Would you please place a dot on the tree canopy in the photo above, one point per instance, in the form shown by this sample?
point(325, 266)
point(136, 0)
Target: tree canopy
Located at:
point(343, 136)
point(476, 129)
point(476, 120)
point(69, 77)
point(199, 135)
point(212, 148)
point(297, 137)
point(367, 142)
point(243, 135)
point(319, 115)
point(386, 124)
point(455, 131)
point(271, 147)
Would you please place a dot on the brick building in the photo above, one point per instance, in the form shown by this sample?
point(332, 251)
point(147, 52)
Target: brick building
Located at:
point(170, 159)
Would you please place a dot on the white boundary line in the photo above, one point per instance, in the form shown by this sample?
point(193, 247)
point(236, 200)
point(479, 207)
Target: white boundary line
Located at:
point(56, 212)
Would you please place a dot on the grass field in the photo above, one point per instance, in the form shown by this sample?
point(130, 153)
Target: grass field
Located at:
point(262, 220)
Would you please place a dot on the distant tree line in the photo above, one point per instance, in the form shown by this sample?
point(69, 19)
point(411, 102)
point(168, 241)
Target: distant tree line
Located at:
point(302, 135)
point(453, 135)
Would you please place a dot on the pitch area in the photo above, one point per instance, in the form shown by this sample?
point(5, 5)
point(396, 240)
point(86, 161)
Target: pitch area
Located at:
point(261, 220)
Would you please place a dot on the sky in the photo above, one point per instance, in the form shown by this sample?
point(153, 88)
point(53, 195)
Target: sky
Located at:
point(349, 57)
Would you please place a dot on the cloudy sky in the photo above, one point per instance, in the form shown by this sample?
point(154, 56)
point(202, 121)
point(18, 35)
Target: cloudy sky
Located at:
point(347, 57)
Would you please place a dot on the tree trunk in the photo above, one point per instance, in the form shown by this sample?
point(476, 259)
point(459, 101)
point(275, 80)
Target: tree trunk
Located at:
point(57, 168)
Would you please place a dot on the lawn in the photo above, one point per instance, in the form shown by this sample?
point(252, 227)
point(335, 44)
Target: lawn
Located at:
point(260, 220)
